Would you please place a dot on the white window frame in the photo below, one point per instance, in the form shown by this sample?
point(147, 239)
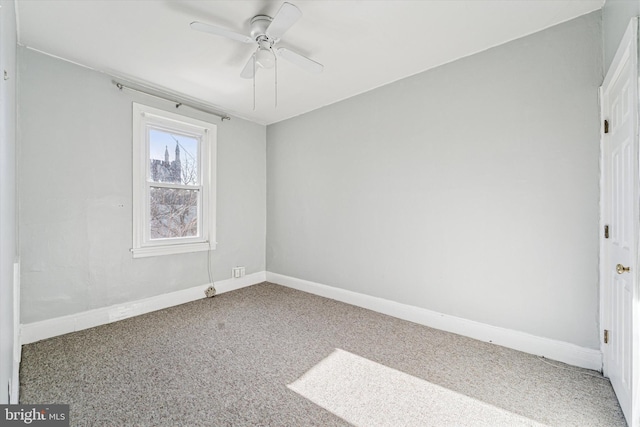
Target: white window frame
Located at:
point(144, 118)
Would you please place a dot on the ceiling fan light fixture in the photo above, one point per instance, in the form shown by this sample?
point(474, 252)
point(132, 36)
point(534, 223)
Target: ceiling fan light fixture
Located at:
point(265, 58)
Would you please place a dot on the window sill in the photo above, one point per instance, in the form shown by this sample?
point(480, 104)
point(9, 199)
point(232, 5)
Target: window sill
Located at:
point(150, 251)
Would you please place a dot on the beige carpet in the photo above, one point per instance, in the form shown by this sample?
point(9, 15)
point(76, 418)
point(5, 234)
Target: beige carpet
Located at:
point(271, 356)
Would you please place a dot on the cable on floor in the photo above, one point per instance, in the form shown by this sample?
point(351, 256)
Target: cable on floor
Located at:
point(211, 291)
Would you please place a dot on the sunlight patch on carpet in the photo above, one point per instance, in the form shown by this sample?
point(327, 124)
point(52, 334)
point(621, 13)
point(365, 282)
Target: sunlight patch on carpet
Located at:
point(365, 393)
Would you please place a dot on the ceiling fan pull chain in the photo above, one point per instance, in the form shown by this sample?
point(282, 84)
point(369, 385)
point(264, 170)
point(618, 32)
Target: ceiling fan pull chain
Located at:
point(276, 79)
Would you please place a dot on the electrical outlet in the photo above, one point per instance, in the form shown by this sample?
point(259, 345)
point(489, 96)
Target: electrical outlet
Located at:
point(237, 272)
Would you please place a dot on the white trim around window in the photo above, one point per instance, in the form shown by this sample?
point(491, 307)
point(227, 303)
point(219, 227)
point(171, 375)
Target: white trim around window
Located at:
point(169, 177)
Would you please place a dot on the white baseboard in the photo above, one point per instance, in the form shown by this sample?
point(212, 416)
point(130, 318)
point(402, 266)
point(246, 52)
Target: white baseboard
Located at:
point(36, 331)
point(17, 348)
point(551, 349)
point(15, 383)
point(548, 348)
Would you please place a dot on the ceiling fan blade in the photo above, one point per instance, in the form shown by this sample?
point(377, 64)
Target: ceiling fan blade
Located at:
point(301, 61)
point(219, 31)
point(284, 19)
point(249, 69)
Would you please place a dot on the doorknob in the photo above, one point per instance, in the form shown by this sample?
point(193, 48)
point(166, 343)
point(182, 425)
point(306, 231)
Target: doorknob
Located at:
point(621, 269)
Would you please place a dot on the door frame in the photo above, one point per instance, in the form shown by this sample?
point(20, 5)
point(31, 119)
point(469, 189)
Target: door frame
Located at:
point(632, 31)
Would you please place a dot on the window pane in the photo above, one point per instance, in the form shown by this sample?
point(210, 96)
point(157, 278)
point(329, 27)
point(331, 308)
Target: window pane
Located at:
point(173, 158)
point(173, 213)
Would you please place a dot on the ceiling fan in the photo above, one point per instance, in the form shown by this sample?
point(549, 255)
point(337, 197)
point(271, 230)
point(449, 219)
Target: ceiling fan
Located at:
point(266, 32)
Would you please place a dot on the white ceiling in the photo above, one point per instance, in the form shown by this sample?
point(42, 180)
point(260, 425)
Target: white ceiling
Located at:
point(362, 44)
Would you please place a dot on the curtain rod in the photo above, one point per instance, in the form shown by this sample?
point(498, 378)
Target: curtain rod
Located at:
point(179, 104)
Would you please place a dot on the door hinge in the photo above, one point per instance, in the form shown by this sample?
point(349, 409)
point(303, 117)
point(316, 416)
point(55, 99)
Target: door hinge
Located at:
point(606, 336)
point(606, 126)
point(606, 231)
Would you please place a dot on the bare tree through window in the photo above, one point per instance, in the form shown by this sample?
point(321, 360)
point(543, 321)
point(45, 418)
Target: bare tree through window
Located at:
point(173, 211)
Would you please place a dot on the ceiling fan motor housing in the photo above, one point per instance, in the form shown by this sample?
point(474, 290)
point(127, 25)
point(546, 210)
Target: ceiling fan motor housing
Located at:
point(259, 25)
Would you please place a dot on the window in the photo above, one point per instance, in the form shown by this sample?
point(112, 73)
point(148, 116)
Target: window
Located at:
point(173, 192)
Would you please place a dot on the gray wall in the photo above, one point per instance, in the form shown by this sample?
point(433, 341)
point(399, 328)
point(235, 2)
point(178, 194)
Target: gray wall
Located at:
point(8, 245)
point(75, 195)
point(470, 189)
point(615, 18)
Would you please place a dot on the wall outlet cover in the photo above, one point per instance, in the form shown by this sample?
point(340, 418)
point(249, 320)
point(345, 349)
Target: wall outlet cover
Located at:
point(237, 272)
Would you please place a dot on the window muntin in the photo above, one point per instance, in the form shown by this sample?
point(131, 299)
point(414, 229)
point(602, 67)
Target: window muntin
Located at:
point(173, 194)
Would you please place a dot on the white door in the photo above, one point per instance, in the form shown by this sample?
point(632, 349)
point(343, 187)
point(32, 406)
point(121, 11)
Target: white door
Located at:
point(620, 221)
